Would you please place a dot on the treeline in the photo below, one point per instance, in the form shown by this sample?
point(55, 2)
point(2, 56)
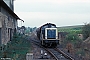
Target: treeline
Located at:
point(30, 29)
point(25, 30)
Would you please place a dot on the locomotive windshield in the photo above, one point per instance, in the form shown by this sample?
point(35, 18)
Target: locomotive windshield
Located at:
point(51, 34)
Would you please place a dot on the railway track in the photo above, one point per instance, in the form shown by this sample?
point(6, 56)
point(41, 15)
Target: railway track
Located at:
point(64, 54)
point(56, 53)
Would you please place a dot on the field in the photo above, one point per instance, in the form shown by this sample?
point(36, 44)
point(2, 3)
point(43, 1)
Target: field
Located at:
point(70, 28)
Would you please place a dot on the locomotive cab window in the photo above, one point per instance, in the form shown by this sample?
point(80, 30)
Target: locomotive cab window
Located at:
point(50, 33)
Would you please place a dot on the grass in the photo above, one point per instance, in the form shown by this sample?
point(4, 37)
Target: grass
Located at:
point(17, 48)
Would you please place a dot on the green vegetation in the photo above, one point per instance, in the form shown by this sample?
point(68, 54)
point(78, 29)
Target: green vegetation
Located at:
point(71, 40)
point(75, 29)
point(72, 31)
point(17, 48)
point(73, 43)
point(86, 30)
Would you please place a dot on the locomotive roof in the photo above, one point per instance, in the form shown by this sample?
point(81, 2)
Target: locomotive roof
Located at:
point(48, 24)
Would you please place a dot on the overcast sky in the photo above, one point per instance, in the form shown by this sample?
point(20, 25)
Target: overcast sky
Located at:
point(59, 12)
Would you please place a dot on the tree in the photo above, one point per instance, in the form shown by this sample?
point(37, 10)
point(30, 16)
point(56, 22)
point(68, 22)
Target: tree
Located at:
point(86, 30)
